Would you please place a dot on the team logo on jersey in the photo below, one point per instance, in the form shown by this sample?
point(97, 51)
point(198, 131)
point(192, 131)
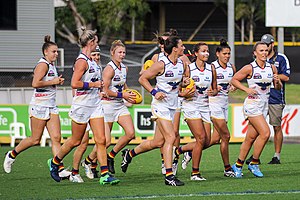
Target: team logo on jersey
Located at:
point(117, 78)
point(196, 78)
point(220, 76)
point(173, 84)
point(270, 76)
point(51, 73)
point(169, 74)
point(119, 88)
point(201, 89)
point(263, 85)
point(257, 76)
point(230, 75)
point(180, 72)
point(224, 85)
point(92, 69)
point(94, 79)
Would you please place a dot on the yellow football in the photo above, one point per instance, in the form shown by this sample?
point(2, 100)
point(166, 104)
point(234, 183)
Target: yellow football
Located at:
point(148, 64)
point(138, 97)
point(189, 86)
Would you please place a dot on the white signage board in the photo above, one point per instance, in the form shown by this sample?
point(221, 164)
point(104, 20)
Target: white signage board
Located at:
point(282, 13)
point(290, 122)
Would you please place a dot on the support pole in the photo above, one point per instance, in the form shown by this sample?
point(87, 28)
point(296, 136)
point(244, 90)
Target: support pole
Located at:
point(230, 21)
point(280, 40)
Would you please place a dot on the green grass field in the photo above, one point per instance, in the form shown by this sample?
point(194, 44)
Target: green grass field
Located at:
point(30, 178)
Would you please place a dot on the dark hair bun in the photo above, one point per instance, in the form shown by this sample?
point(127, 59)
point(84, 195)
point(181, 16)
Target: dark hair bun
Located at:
point(223, 42)
point(47, 38)
point(160, 40)
point(173, 32)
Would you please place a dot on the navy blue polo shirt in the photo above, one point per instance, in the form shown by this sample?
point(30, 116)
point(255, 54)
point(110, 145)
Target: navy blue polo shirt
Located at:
point(281, 62)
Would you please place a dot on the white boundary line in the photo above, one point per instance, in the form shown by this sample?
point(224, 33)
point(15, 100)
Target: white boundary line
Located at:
point(203, 194)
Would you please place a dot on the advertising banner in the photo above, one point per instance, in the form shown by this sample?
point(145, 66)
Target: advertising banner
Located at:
point(10, 115)
point(290, 122)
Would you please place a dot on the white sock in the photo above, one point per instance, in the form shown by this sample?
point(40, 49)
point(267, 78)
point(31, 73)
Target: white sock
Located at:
point(277, 155)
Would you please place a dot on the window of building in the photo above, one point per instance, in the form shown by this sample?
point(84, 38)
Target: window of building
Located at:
point(8, 15)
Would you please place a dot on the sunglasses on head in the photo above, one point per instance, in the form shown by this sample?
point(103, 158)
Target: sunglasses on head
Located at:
point(269, 44)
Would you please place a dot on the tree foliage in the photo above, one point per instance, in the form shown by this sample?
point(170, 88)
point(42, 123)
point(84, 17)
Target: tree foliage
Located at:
point(109, 17)
point(251, 11)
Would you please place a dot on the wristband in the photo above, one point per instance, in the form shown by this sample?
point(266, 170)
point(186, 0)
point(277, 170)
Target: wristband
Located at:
point(85, 85)
point(153, 92)
point(119, 94)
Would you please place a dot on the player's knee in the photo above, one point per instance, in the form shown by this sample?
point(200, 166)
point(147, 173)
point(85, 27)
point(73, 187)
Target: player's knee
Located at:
point(55, 139)
point(170, 139)
point(277, 129)
point(100, 141)
point(83, 145)
point(157, 144)
point(200, 138)
point(266, 135)
point(75, 143)
point(130, 135)
point(226, 137)
point(35, 141)
point(81, 148)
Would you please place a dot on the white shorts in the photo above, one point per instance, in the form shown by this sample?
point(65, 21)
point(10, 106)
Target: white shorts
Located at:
point(197, 114)
point(195, 110)
point(162, 112)
point(42, 112)
point(112, 111)
point(218, 112)
point(82, 114)
point(255, 107)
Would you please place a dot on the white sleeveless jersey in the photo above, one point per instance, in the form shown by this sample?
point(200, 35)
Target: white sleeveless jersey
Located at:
point(90, 96)
point(260, 81)
point(224, 76)
point(203, 80)
point(118, 81)
point(46, 96)
point(168, 82)
point(160, 56)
